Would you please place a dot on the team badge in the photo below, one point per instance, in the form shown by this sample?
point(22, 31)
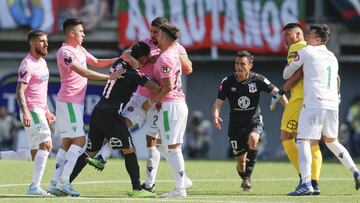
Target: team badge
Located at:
point(252, 87)
point(130, 108)
point(297, 57)
point(165, 69)
point(244, 102)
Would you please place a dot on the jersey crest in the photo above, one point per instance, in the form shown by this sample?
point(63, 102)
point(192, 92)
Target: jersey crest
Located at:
point(165, 69)
point(252, 87)
point(244, 102)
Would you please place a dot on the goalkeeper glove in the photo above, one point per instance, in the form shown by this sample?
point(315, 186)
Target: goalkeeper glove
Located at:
point(276, 98)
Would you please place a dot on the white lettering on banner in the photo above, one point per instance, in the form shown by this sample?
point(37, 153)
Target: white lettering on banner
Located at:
point(153, 9)
point(272, 34)
point(177, 17)
point(215, 6)
point(11, 101)
point(252, 23)
point(198, 28)
point(289, 11)
point(137, 28)
point(232, 33)
point(257, 25)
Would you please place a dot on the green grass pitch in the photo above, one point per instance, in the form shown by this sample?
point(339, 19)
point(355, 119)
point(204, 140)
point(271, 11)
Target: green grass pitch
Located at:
point(214, 181)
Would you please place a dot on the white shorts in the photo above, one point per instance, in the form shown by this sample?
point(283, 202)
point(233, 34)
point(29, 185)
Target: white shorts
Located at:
point(148, 121)
point(69, 120)
point(39, 130)
point(313, 123)
point(173, 118)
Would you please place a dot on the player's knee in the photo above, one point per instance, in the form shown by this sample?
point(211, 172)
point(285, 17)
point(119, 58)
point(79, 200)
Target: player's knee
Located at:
point(253, 141)
point(286, 136)
point(329, 139)
point(47, 146)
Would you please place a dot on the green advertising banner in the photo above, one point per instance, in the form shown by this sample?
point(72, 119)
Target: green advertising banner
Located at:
point(227, 24)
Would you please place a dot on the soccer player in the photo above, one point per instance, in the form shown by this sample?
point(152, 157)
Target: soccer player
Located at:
point(72, 60)
point(107, 123)
point(319, 114)
point(147, 121)
point(31, 94)
point(173, 112)
point(243, 90)
point(293, 37)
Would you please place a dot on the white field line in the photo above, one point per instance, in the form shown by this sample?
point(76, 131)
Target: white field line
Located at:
point(194, 180)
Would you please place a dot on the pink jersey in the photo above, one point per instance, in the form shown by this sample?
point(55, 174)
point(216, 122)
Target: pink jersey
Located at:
point(148, 69)
point(168, 65)
point(73, 85)
point(35, 73)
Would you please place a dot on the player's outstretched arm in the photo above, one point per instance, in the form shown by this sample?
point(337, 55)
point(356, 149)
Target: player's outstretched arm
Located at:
point(216, 113)
point(102, 63)
point(95, 75)
point(278, 96)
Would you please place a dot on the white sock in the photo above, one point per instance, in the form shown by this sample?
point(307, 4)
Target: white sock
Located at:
point(20, 154)
point(106, 151)
point(163, 149)
point(39, 166)
point(343, 155)
point(305, 160)
point(152, 165)
point(59, 165)
point(176, 162)
point(71, 157)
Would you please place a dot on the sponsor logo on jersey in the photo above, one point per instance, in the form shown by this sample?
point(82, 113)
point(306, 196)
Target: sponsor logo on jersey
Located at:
point(165, 69)
point(244, 102)
point(115, 142)
point(233, 89)
point(252, 87)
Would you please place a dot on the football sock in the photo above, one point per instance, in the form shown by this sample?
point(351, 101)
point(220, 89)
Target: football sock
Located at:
point(132, 167)
point(71, 157)
point(20, 154)
point(241, 174)
point(316, 162)
point(291, 152)
point(152, 165)
point(39, 166)
point(163, 149)
point(343, 155)
point(59, 165)
point(80, 164)
point(304, 160)
point(106, 151)
point(176, 162)
point(250, 162)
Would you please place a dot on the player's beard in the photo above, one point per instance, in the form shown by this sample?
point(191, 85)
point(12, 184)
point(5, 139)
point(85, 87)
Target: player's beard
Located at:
point(42, 51)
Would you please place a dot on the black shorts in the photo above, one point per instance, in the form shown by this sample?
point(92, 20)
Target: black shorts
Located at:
point(239, 136)
point(108, 126)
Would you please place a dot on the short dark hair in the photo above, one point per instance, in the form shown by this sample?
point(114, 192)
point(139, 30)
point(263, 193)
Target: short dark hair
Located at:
point(245, 53)
point(33, 34)
point(70, 23)
point(291, 26)
point(139, 50)
point(171, 30)
point(159, 21)
point(322, 31)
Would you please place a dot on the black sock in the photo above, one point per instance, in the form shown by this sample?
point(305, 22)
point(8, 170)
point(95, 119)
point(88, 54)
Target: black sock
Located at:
point(241, 174)
point(250, 162)
point(80, 164)
point(132, 167)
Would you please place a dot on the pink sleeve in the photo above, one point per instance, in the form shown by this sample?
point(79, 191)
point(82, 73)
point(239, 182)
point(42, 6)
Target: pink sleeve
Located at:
point(89, 57)
point(66, 58)
point(181, 49)
point(165, 67)
point(24, 74)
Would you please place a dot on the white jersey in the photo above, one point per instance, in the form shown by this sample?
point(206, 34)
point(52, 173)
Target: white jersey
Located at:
point(320, 68)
